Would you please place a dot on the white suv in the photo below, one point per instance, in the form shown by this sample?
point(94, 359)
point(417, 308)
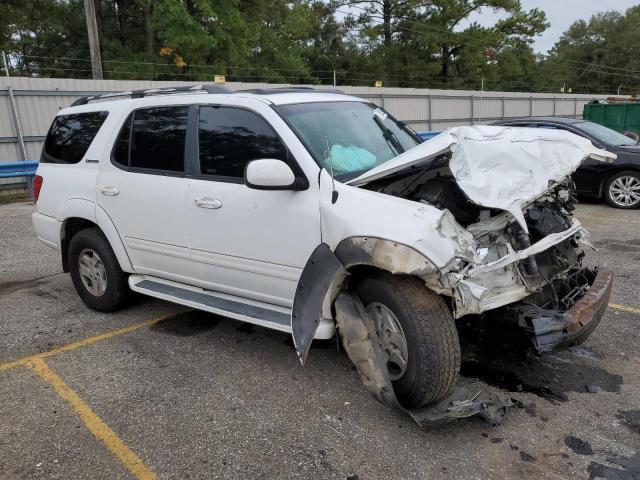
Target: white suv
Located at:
point(268, 205)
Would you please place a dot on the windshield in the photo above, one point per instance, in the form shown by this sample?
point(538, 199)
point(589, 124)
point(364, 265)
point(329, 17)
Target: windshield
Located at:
point(604, 134)
point(353, 136)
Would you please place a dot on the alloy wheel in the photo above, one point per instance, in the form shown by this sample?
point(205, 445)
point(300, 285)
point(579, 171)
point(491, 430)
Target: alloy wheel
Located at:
point(391, 338)
point(625, 191)
point(92, 272)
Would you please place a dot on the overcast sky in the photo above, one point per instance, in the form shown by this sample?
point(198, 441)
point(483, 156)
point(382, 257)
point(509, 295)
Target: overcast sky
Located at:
point(562, 13)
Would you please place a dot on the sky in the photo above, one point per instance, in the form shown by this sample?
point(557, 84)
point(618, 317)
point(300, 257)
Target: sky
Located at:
point(561, 14)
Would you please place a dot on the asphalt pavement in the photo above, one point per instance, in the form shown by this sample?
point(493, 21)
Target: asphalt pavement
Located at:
point(159, 390)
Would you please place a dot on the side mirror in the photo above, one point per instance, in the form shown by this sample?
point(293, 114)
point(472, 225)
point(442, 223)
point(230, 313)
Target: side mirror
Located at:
point(269, 174)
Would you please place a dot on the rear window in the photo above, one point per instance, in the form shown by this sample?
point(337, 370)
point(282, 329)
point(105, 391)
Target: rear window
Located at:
point(70, 136)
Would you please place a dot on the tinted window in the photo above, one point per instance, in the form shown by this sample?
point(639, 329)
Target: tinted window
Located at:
point(70, 136)
point(605, 135)
point(158, 138)
point(229, 138)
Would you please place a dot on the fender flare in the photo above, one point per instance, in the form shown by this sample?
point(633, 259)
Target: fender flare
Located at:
point(88, 210)
point(325, 271)
point(107, 226)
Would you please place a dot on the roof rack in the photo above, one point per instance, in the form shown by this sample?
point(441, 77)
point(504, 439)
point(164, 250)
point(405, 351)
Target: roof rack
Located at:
point(300, 89)
point(154, 91)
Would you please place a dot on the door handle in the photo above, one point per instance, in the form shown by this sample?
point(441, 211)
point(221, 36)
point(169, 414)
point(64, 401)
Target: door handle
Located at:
point(109, 190)
point(208, 202)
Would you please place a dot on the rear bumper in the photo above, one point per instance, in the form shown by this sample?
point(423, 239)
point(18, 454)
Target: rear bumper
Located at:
point(47, 229)
point(553, 330)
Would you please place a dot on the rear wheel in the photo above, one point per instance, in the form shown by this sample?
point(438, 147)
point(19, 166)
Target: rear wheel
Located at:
point(95, 271)
point(417, 333)
point(622, 190)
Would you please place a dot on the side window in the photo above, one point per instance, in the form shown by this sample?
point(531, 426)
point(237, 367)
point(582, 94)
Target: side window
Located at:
point(70, 136)
point(157, 139)
point(229, 138)
point(121, 148)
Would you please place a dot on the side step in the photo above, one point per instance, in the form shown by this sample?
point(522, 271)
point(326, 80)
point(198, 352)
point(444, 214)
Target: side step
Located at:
point(221, 304)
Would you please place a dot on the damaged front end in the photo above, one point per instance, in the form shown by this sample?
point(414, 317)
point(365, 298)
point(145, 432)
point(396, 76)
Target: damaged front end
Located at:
point(484, 216)
point(508, 201)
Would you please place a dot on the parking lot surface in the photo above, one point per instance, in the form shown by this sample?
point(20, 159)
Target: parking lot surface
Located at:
point(157, 390)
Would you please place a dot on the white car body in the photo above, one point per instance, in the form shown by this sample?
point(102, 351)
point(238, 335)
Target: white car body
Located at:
point(249, 247)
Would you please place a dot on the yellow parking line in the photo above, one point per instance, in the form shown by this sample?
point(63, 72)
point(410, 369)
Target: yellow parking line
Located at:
point(94, 423)
point(624, 308)
point(82, 343)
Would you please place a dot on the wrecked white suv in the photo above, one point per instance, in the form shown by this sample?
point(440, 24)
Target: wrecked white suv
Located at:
point(295, 209)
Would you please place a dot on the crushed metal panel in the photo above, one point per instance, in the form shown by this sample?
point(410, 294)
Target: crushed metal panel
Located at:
point(551, 329)
point(391, 256)
point(317, 277)
point(358, 337)
point(499, 167)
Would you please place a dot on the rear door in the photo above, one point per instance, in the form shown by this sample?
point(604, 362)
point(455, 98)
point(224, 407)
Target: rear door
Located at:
point(143, 189)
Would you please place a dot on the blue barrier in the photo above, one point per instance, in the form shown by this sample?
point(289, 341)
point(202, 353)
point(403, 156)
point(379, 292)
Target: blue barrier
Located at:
point(427, 135)
point(18, 169)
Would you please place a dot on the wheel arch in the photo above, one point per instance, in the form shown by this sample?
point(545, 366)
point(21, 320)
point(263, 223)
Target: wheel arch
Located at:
point(73, 224)
point(326, 272)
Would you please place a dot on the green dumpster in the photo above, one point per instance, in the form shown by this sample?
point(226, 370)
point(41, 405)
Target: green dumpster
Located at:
point(623, 117)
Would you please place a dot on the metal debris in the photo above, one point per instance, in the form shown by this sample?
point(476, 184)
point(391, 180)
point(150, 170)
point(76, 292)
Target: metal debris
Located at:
point(357, 332)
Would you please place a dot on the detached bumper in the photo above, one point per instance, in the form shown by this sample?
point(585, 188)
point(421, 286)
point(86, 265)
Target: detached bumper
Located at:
point(552, 330)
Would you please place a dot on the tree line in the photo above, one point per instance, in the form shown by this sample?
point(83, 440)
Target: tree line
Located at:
point(405, 43)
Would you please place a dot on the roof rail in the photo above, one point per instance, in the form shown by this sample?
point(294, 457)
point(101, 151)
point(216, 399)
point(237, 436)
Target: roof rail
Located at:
point(154, 91)
point(294, 89)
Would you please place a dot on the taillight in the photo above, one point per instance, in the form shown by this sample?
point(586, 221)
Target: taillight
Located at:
point(37, 185)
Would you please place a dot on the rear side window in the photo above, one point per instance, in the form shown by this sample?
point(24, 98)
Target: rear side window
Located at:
point(70, 136)
point(121, 147)
point(158, 138)
point(229, 138)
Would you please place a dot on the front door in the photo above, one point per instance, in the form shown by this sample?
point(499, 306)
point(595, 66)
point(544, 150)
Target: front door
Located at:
point(143, 190)
point(249, 243)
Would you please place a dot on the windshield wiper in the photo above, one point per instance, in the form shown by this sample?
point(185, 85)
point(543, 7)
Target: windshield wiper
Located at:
point(389, 136)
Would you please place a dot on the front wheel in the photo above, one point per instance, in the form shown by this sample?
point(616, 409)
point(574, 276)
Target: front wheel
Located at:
point(417, 333)
point(622, 190)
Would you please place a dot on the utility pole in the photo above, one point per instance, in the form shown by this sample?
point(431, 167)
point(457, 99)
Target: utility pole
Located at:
point(94, 41)
point(334, 77)
point(15, 115)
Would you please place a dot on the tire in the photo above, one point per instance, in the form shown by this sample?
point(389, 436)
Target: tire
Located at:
point(614, 190)
point(632, 134)
point(108, 289)
point(433, 347)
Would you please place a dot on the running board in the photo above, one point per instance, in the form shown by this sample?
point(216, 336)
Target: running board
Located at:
point(212, 302)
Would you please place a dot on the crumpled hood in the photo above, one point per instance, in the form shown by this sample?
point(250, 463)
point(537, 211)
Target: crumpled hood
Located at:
point(499, 167)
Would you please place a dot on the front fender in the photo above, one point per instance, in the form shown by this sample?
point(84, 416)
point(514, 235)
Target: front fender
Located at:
point(325, 272)
point(321, 270)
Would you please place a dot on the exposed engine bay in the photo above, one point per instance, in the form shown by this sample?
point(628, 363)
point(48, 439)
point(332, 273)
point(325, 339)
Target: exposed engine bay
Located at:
point(554, 278)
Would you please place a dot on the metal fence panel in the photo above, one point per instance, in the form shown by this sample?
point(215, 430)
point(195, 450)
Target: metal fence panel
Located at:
point(39, 99)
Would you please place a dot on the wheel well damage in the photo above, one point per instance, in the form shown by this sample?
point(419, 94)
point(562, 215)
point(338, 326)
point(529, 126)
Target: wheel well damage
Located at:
point(325, 273)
